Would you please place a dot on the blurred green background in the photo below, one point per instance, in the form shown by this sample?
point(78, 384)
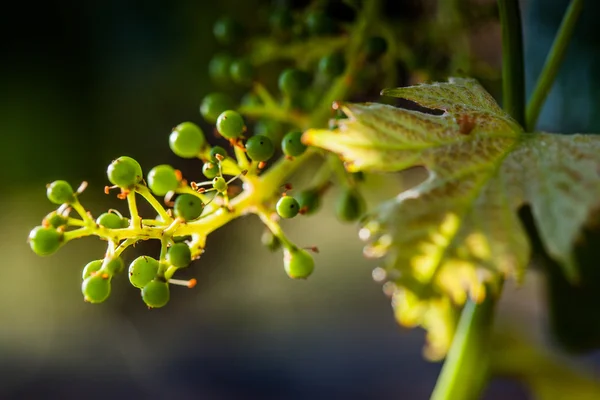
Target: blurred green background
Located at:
point(85, 82)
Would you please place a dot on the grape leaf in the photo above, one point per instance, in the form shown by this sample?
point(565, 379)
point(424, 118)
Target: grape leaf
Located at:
point(460, 228)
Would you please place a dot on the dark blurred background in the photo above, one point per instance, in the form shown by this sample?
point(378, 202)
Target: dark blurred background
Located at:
point(85, 82)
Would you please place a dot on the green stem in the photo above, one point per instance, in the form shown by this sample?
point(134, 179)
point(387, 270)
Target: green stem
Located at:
point(466, 369)
point(552, 64)
point(513, 77)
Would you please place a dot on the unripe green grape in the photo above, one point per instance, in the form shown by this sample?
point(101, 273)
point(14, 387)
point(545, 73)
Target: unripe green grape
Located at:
point(111, 221)
point(251, 100)
point(318, 23)
point(156, 293)
point(95, 288)
point(375, 47)
point(90, 268)
point(292, 81)
point(113, 265)
point(287, 207)
point(124, 172)
point(179, 255)
point(213, 105)
point(218, 68)
point(142, 270)
point(259, 148)
point(230, 124)
point(187, 140)
point(241, 72)
point(188, 207)
point(292, 144)
point(309, 200)
point(162, 179)
point(60, 192)
point(55, 220)
point(226, 30)
point(332, 65)
point(298, 263)
point(210, 170)
point(269, 128)
point(217, 150)
point(269, 240)
point(350, 205)
point(44, 240)
point(220, 184)
point(281, 22)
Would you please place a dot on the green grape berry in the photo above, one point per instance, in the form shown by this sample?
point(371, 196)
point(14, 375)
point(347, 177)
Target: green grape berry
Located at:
point(210, 170)
point(45, 240)
point(332, 65)
point(298, 263)
point(270, 241)
point(187, 140)
point(95, 288)
point(281, 22)
point(230, 124)
point(217, 151)
point(376, 46)
point(162, 179)
point(220, 184)
point(292, 81)
point(179, 255)
point(309, 201)
point(142, 270)
point(188, 207)
point(260, 148)
point(90, 268)
point(319, 23)
point(60, 192)
point(111, 221)
point(213, 105)
point(350, 205)
point(292, 144)
point(156, 293)
point(251, 100)
point(242, 72)
point(226, 30)
point(124, 172)
point(218, 68)
point(269, 128)
point(113, 265)
point(55, 220)
point(287, 207)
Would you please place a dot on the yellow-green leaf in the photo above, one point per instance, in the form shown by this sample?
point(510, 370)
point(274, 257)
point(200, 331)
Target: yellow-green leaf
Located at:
point(459, 228)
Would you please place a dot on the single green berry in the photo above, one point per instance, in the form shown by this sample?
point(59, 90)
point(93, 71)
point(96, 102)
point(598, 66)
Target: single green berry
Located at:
point(281, 22)
point(220, 184)
point(113, 265)
point(251, 100)
point(188, 207)
point(260, 148)
point(156, 293)
point(218, 68)
point(142, 270)
point(309, 201)
point(350, 205)
point(96, 288)
point(179, 255)
point(226, 30)
point(210, 169)
point(318, 23)
point(269, 128)
point(292, 81)
point(375, 47)
point(298, 263)
point(292, 144)
point(45, 240)
point(60, 192)
point(162, 179)
point(90, 268)
point(230, 124)
point(213, 105)
point(270, 241)
point(55, 220)
point(187, 140)
point(287, 207)
point(124, 172)
point(217, 151)
point(332, 65)
point(111, 221)
point(242, 72)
